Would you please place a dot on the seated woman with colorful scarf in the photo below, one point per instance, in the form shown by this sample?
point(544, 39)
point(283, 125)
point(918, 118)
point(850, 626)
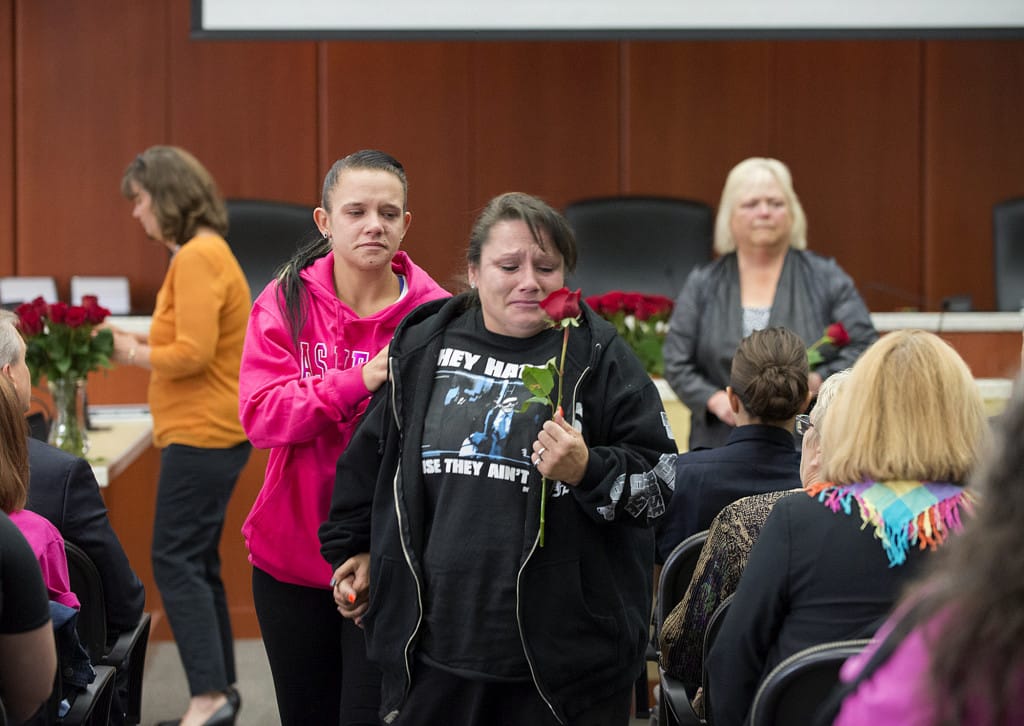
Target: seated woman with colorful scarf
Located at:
point(898, 443)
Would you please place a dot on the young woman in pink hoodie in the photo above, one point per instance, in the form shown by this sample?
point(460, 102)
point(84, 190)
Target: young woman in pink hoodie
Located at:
point(315, 350)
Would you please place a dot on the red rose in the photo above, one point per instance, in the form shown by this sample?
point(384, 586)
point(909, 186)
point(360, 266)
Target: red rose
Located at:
point(94, 312)
point(612, 302)
point(29, 320)
point(631, 301)
point(562, 304)
point(838, 334)
point(607, 304)
point(58, 311)
point(662, 305)
point(651, 305)
point(75, 316)
point(41, 306)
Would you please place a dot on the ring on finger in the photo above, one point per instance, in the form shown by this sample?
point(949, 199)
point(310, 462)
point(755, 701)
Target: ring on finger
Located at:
point(540, 454)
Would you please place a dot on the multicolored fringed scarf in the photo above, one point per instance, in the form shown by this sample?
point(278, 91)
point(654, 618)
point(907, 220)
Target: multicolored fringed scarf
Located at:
point(903, 513)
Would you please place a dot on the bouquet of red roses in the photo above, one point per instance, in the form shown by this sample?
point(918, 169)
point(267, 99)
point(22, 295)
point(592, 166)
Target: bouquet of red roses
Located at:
point(61, 341)
point(642, 320)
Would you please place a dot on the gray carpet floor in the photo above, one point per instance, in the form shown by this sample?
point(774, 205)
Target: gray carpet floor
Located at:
point(165, 692)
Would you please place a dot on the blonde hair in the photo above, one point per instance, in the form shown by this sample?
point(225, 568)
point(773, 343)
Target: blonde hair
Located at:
point(13, 450)
point(738, 177)
point(909, 410)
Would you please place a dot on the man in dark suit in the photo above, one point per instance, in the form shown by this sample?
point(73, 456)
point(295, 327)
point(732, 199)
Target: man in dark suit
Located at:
point(63, 489)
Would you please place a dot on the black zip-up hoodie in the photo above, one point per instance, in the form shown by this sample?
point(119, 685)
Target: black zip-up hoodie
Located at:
point(584, 598)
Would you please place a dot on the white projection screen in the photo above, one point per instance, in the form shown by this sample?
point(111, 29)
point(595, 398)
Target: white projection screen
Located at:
point(605, 19)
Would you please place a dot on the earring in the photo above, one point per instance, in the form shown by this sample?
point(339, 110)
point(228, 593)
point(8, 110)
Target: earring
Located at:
point(472, 286)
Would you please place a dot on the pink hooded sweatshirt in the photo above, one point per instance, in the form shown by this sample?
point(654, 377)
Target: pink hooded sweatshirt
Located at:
point(304, 404)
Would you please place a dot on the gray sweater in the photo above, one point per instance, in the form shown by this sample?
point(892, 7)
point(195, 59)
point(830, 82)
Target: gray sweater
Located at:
point(707, 326)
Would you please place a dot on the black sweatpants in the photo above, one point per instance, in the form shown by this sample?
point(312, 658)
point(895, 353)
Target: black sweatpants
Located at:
point(439, 697)
point(317, 657)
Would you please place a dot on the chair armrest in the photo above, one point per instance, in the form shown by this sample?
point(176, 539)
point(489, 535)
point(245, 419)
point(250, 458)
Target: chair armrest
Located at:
point(126, 643)
point(677, 701)
point(93, 704)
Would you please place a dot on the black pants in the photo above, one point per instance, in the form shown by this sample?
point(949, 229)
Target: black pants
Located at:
point(317, 657)
point(439, 697)
point(192, 497)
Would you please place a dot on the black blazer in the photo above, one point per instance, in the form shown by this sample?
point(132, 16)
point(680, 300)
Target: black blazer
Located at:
point(757, 458)
point(63, 489)
point(813, 576)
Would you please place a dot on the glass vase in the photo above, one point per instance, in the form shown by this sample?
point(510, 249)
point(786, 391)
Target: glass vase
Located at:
point(67, 430)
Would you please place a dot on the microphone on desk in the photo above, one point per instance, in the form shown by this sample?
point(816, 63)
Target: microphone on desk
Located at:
point(953, 304)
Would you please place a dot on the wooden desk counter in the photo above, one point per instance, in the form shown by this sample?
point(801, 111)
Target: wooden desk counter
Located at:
point(119, 435)
point(989, 342)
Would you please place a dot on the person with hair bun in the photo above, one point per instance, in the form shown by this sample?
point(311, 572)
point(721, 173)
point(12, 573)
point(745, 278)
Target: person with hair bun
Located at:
point(768, 387)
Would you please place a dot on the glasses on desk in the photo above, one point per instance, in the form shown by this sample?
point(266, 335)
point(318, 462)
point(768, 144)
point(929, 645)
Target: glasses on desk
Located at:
point(803, 424)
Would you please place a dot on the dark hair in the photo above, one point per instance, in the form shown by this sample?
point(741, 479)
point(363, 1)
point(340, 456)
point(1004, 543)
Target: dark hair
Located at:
point(973, 583)
point(535, 213)
point(185, 196)
point(13, 449)
point(769, 374)
point(292, 300)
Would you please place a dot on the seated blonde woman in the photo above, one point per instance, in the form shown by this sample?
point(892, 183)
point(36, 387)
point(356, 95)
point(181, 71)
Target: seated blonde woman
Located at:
point(954, 651)
point(898, 444)
point(730, 538)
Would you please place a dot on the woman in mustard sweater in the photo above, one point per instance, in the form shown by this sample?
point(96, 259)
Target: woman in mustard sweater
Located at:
point(193, 351)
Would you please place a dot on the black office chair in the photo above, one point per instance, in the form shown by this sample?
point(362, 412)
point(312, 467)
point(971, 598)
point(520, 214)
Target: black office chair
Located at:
point(639, 244)
point(710, 633)
point(128, 653)
point(674, 705)
point(796, 688)
point(263, 234)
point(91, 707)
point(1008, 254)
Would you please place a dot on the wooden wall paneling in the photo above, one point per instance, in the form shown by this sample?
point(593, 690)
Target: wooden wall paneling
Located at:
point(412, 100)
point(7, 178)
point(247, 110)
point(696, 108)
point(90, 94)
point(547, 120)
point(847, 122)
point(974, 158)
point(131, 504)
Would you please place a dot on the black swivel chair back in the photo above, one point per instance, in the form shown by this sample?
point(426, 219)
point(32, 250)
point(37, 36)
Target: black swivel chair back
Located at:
point(674, 706)
point(710, 633)
point(639, 244)
point(796, 688)
point(676, 574)
point(128, 653)
point(1008, 254)
point(263, 234)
